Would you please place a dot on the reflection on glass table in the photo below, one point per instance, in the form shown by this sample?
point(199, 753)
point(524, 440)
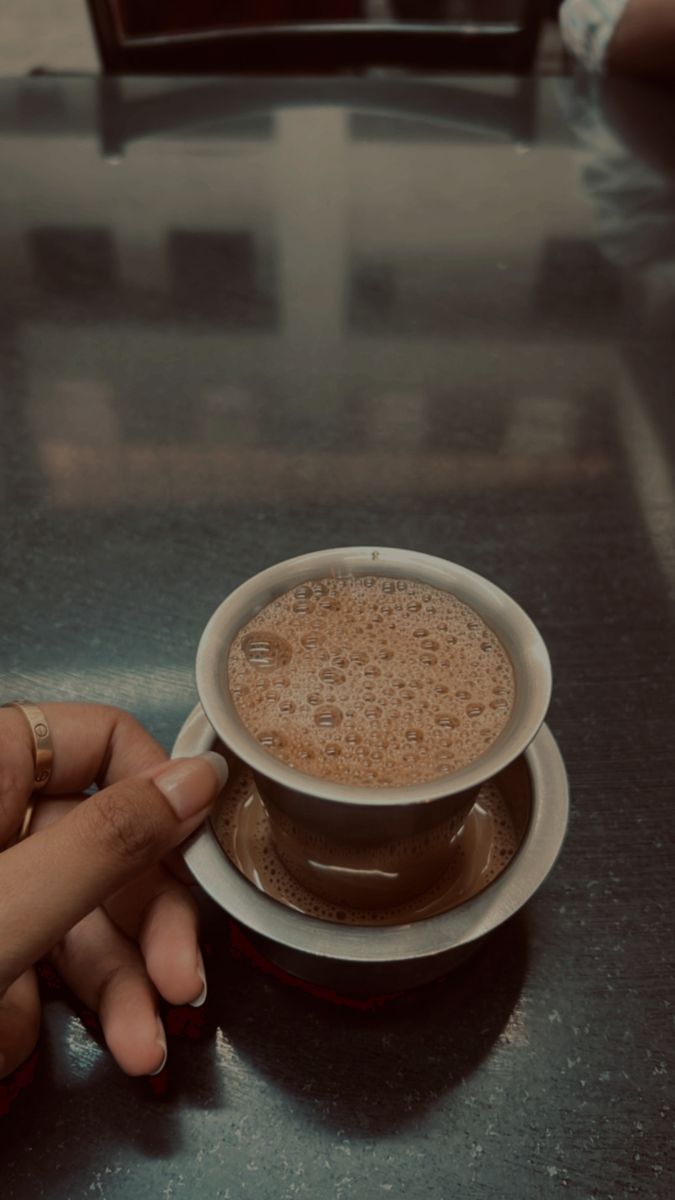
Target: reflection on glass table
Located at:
point(297, 36)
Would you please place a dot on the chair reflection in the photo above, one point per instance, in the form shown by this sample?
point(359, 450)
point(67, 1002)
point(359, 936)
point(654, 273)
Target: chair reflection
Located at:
point(334, 35)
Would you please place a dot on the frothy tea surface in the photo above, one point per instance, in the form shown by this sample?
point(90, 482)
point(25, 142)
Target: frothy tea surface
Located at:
point(371, 680)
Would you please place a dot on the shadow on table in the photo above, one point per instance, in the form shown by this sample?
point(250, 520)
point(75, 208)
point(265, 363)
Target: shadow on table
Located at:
point(371, 1072)
point(79, 1112)
point(364, 1072)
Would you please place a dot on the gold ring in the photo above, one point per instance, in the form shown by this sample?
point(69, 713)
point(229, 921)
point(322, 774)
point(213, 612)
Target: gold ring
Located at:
point(43, 754)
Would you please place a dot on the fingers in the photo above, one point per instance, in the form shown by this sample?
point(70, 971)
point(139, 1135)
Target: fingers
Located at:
point(16, 771)
point(107, 973)
point(51, 880)
point(159, 912)
point(161, 915)
point(19, 1022)
point(92, 743)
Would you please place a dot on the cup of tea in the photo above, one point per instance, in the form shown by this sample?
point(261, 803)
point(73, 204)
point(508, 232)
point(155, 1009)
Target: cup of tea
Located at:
point(372, 692)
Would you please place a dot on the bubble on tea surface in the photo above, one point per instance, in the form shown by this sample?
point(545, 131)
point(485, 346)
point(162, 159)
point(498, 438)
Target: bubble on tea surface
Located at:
point(384, 677)
point(446, 721)
point(331, 675)
point(271, 739)
point(328, 716)
point(266, 651)
point(385, 654)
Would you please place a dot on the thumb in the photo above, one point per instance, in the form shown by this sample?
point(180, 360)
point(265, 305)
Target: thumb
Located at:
point(54, 878)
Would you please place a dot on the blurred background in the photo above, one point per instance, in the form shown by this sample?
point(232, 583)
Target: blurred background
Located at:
point(38, 35)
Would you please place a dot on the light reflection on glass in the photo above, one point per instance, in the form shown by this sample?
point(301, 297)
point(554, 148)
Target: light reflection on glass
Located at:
point(264, 315)
point(83, 1051)
point(150, 685)
point(515, 1032)
point(652, 476)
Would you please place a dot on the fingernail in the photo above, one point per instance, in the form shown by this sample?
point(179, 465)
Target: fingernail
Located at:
point(161, 1042)
point(202, 975)
point(189, 784)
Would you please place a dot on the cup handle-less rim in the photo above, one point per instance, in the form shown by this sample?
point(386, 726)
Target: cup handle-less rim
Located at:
point(495, 606)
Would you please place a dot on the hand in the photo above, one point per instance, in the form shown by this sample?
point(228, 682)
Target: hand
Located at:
point(86, 888)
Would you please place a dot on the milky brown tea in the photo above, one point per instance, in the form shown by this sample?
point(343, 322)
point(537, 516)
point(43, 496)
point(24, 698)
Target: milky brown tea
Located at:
point(371, 681)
